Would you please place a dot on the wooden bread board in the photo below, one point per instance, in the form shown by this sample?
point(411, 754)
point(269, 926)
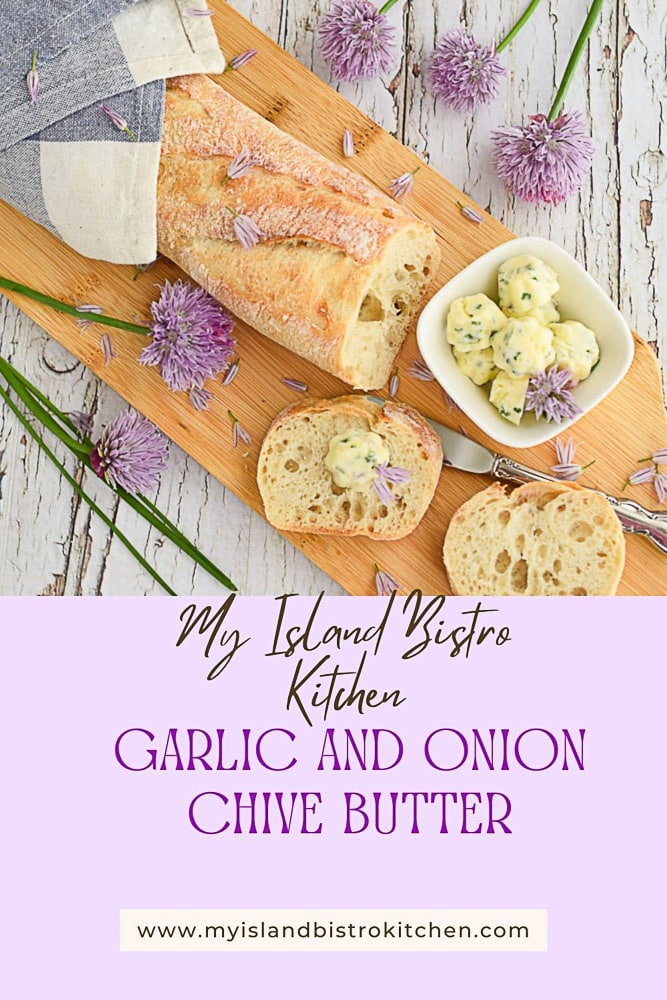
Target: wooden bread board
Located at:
point(627, 425)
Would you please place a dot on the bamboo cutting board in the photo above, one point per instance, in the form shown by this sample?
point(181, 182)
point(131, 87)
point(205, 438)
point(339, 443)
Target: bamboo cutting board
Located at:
point(629, 424)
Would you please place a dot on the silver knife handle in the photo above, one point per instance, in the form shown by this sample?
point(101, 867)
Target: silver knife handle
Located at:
point(636, 520)
point(514, 472)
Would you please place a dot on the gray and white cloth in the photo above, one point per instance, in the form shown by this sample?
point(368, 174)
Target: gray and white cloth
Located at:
point(63, 162)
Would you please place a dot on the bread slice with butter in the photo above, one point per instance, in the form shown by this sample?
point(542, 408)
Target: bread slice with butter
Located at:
point(542, 539)
point(352, 465)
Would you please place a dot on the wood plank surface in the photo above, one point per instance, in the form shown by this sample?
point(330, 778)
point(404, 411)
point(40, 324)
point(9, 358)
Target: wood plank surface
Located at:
point(628, 424)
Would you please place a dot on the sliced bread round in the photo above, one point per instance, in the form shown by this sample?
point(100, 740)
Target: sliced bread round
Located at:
point(299, 490)
point(542, 539)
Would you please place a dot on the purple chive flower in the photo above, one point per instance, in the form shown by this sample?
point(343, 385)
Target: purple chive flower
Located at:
point(131, 453)
point(32, 80)
point(465, 74)
point(246, 231)
point(197, 12)
point(238, 61)
point(239, 433)
point(232, 372)
point(83, 422)
point(348, 143)
point(419, 370)
point(240, 165)
point(544, 160)
point(385, 584)
point(386, 474)
point(469, 213)
point(294, 383)
point(658, 457)
point(108, 351)
point(566, 468)
point(356, 39)
point(191, 336)
point(394, 383)
point(117, 119)
point(402, 184)
point(549, 395)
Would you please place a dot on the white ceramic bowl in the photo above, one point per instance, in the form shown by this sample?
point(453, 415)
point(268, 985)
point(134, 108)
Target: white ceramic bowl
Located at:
point(579, 298)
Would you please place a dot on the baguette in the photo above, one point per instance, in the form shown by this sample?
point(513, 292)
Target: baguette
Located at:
point(300, 492)
point(340, 269)
point(543, 539)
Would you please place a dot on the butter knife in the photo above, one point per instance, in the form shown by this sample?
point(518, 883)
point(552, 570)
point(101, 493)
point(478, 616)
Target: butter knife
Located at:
point(461, 452)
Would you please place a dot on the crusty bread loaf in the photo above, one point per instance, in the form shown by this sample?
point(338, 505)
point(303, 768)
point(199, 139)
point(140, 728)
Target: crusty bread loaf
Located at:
point(299, 491)
point(548, 539)
point(341, 267)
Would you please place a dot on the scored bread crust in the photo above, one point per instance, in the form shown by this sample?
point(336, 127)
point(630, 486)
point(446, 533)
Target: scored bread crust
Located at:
point(341, 267)
point(298, 491)
point(543, 539)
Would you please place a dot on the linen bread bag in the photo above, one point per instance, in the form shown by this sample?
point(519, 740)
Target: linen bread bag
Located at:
point(339, 268)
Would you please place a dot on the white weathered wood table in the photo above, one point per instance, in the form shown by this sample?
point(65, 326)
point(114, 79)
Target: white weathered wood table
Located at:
point(49, 541)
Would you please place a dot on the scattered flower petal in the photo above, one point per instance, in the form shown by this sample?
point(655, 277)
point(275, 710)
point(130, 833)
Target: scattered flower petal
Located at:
point(660, 486)
point(191, 336)
point(544, 160)
point(394, 383)
point(200, 397)
point(469, 213)
point(240, 165)
point(106, 344)
point(645, 475)
point(402, 184)
point(117, 120)
point(356, 39)
point(386, 474)
point(465, 74)
point(419, 370)
point(82, 421)
point(348, 143)
point(84, 324)
point(32, 79)
point(239, 433)
point(131, 453)
point(197, 12)
point(232, 372)
point(294, 383)
point(238, 61)
point(246, 231)
point(142, 268)
point(385, 584)
point(660, 457)
point(568, 471)
point(549, 395)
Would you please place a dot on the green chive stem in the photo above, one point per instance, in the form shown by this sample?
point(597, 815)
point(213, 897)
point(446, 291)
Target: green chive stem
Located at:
point(387, 6)
point(47, 300)
point(577, 53)
point(84, 496)
point(38, 411)
point(518, 26)
point(32, 398)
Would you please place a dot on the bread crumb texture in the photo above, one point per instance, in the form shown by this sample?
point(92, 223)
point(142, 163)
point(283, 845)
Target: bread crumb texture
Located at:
point(299, 492)
point(543, 539)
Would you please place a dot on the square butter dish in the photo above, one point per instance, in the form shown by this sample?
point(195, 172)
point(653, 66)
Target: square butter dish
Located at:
point(579, 298)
